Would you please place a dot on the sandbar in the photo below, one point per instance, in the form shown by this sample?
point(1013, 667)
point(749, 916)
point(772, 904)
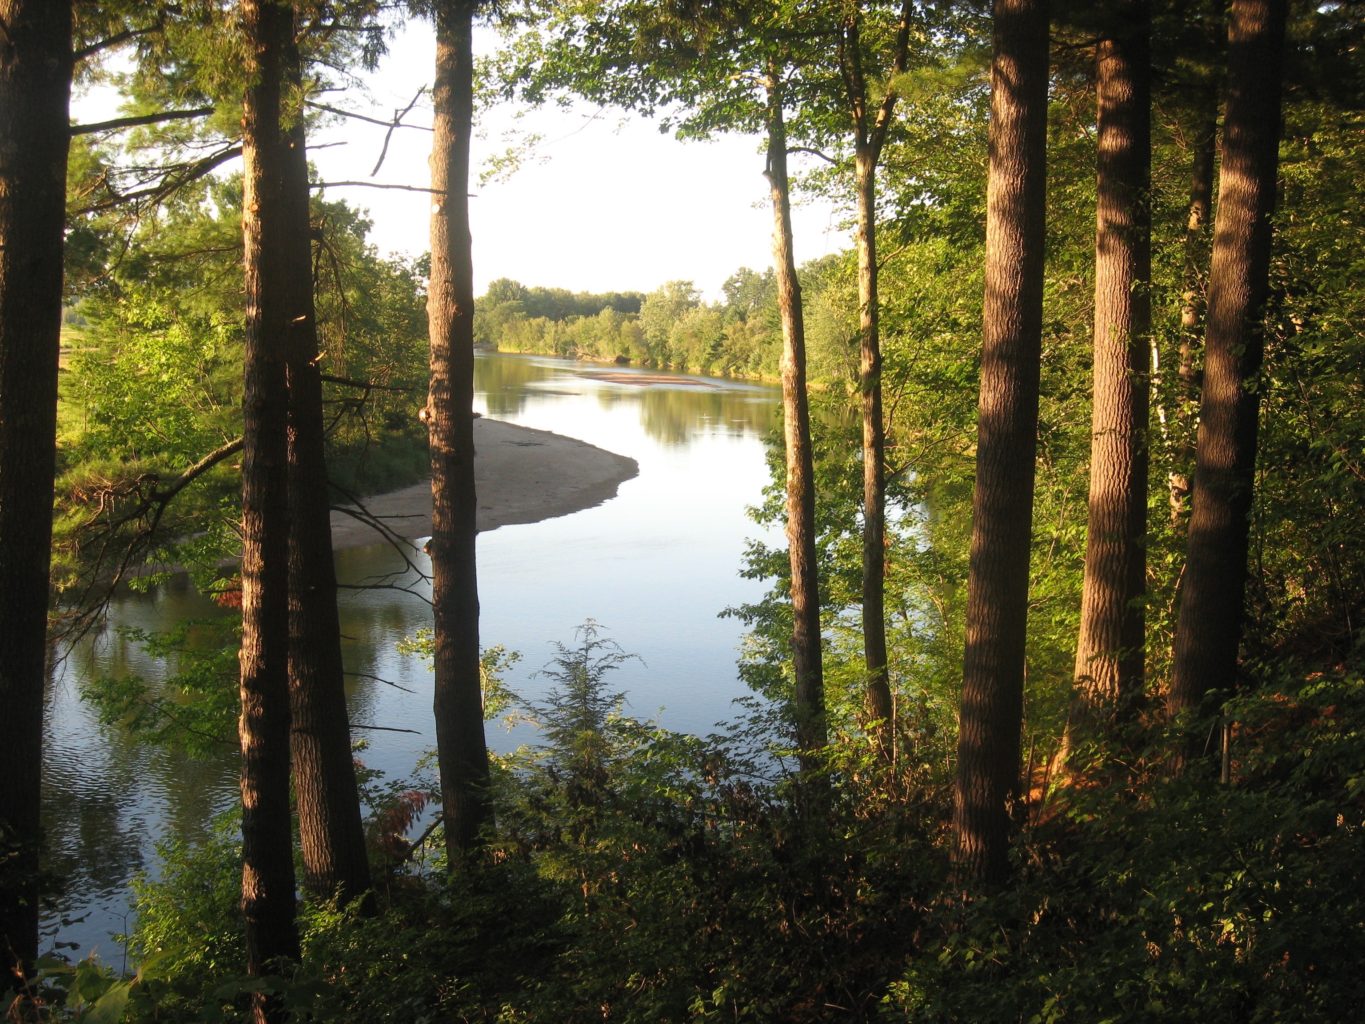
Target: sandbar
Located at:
point(521, 475)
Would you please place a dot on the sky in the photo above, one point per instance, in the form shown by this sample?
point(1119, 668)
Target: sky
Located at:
point(604, 203)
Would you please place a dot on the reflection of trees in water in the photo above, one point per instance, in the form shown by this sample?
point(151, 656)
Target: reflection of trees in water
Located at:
point(371, 630)
point(670, 414)
point(108, 796)
point(505, 381)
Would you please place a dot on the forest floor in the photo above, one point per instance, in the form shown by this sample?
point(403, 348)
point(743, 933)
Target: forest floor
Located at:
point(521, 475)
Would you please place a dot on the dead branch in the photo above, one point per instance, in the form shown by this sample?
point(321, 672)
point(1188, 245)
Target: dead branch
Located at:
point(376, 184)
point(175, 178)
point(398, 116)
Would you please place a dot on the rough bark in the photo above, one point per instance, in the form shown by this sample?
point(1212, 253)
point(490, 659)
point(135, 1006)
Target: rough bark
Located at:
point(877, 699)
point(1002, 503)
point(1208, 631)
point(268, 901)
point(805, 585)
point(1110, 648)
point(35, 88)
point(870, 128)
point(331, 833)
point(460, 742)
point(1192, 292)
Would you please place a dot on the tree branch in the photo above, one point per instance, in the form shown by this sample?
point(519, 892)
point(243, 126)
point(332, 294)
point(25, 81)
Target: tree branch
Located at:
point(814, 152)
point(162, 497)
point(175, 178)
point(363, 385)
point(375, 184)
point(367, 119)
point(899, 63)
point(140, 119)
point(398, 116)
point(117, 39)
point(150, 507)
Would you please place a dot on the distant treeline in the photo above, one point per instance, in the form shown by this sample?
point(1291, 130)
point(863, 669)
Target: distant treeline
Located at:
point(671, 327)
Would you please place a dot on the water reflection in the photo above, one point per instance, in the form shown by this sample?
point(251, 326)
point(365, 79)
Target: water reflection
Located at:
point(655, 566)
point(670, 413)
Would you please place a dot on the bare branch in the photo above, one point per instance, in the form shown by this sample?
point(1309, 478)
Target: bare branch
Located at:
point(375, 184)
point(367, 119)
point(398, 116)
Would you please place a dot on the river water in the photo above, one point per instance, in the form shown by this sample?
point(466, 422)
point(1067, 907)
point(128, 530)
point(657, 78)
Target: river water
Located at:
point(654, 567)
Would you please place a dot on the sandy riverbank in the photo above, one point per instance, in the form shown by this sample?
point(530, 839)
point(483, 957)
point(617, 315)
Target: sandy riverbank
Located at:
point(521, 476)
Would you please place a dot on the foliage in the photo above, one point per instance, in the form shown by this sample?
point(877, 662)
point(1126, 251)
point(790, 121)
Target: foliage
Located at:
point(637, 874)
point(1178, 900)
point(154, 383)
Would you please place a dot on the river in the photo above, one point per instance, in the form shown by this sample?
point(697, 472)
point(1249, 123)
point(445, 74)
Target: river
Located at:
point(653, 566)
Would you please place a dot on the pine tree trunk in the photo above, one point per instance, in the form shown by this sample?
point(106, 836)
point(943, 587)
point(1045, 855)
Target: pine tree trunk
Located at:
point(35, 89)
point(878, 705)
point(990, 718)
point(267, 860)
point(331, 833)
point(460, 742)
point(1110, 649)
point(805, 584)
point(1208, 632)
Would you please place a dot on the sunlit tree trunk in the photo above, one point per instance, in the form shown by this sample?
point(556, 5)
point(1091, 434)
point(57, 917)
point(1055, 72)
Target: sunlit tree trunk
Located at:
point(1208, 632)
point(805, 585)
point(460, 742)
point(990, 718)
point(267, 861)
point(870, 127)
point(878, 688)
point(1110, 649)
point(35, 89)
point(331, 834)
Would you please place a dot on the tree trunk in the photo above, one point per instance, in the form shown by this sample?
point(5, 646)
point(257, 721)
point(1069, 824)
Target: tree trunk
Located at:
point(460, 742)
point(1208, 632)
point(805, 584)
point(35, 89)
point(877, 701)
point(1002, 505)
point(331, 834)
point(1110, 649)
point(1192, 302)
point(869, 131)
point(267, 860)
